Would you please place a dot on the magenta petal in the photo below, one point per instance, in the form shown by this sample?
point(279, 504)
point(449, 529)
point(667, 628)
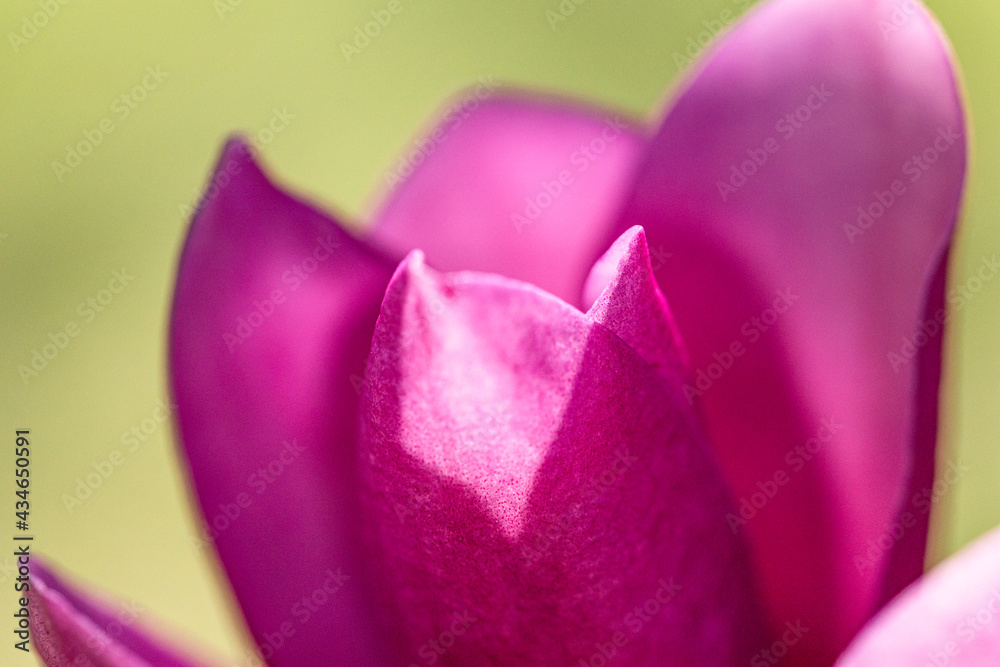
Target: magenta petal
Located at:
point(521, 187)
point(68, 629)
point(629, 303)
point(950, 617)
point(790, 307)
point(538, 489)
point(272, 321)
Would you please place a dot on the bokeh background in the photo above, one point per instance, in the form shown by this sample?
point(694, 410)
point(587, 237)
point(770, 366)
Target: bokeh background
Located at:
point(236, 65)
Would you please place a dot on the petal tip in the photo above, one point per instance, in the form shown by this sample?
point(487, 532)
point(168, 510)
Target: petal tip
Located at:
point(630, 245)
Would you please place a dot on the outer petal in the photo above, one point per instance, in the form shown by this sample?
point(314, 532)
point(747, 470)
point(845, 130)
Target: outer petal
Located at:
point(792, 303)
point(68, 629)
point(950, 617)
point(517, 186)
point(272, 318)
point(541, 495)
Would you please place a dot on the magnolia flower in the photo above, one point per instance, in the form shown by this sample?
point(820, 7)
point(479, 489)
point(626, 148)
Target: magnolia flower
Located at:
point(711, 444)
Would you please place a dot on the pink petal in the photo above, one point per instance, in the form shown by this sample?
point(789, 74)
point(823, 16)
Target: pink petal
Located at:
point(629, 303)
point(67, 629)
point(950, 617)
point(539, 493)
point(272, 320)
point(522, 187)
point(772, 381)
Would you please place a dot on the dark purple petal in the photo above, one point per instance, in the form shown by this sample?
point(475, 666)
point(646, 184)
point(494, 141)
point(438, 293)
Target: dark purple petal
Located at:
point(272, 320)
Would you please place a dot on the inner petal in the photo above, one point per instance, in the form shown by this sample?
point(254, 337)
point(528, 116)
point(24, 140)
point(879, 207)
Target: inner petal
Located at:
point(464, 387)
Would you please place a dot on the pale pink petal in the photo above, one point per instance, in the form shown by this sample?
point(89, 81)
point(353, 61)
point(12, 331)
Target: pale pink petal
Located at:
point(539, 493)
point(527, 188)
point(271, 323)
point(951, 617)
point(790, 310)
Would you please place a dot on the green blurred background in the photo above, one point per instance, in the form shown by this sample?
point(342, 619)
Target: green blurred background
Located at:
point(233, 64)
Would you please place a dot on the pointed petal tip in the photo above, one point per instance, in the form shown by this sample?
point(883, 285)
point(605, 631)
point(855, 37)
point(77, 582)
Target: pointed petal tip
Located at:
point(890, 87)
point(468, 192)
point(605, 269)
point(627, 300)
point(488, 414)
point(411, 271)
point(280, 301)
point(237, 152)
point(236, 144)
point(70, 628)
point(236, 176)
point(415, 262)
